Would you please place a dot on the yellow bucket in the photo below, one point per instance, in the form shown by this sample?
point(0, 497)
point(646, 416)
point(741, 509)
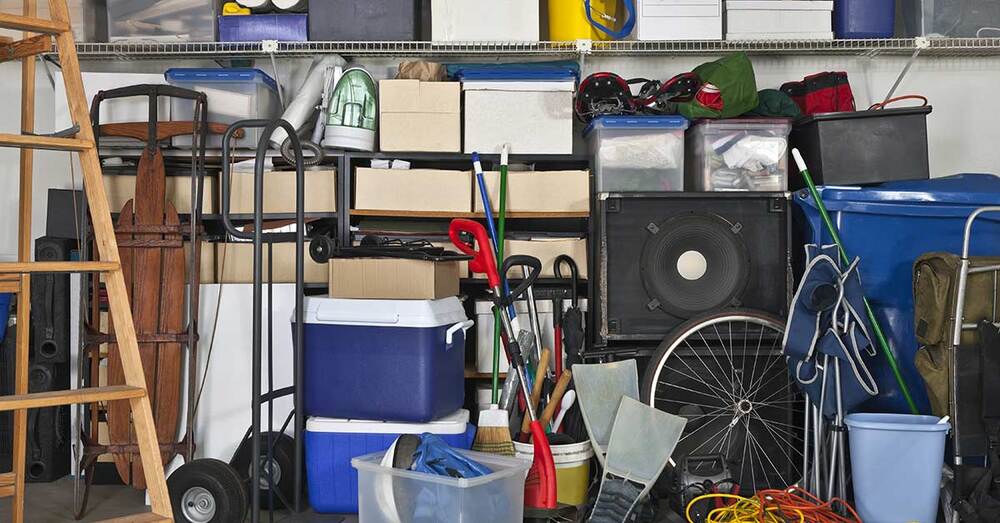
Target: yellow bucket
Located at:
point(572, 469)
point(568, 19)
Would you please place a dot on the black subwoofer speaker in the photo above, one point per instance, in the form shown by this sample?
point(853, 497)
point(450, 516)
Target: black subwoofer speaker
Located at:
point(50, 303)
point(49, 428)
point(666, 257)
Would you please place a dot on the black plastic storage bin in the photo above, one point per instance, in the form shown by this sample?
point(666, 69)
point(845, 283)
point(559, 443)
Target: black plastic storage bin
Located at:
point(863, 147)
point(368, 20)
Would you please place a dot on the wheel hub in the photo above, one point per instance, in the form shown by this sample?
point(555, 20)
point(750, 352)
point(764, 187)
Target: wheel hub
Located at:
point(198, 505)
point(744, 407)
point(269, 468)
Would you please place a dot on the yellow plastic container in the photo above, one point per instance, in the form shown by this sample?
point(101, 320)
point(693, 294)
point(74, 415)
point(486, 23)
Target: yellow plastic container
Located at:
point(572, 469)
point(568, 19)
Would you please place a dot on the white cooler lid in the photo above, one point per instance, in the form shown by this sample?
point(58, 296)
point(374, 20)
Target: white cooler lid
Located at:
point(384, 313)
point(456, 423)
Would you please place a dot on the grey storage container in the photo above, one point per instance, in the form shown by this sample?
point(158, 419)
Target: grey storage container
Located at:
point(370, 20)
point(173, 21)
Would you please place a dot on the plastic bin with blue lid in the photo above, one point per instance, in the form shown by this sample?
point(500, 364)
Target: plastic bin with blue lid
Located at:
point(288, 27)
point(331, 444)
point(233, 95)
point(888, 226)
point(400, 360)
point(637, 153)
point(390, 495)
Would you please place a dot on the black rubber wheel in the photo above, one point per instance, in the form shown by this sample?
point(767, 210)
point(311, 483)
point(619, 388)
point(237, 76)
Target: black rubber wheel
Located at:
point(207, 491)
point(282, 465)
point(320, 248)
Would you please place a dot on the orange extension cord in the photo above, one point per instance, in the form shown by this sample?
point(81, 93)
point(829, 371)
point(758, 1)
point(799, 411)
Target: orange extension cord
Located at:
point(776, 506)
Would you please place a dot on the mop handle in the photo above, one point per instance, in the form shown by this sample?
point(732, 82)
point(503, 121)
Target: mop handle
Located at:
point(495, 238)
point(883, 342)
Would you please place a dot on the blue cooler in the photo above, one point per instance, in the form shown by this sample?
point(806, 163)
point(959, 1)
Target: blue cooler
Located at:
point(400, 360)
point(888, 226)
point(331, 443)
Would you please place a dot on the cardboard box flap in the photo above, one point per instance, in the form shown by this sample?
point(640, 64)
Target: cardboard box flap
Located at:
point(414, 96)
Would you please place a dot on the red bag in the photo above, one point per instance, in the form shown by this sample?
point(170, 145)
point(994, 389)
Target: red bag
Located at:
point(828, 92)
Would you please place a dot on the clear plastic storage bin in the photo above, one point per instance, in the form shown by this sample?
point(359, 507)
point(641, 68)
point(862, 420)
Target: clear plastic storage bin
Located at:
point(637, 154)
point(738, 155)
point(401, 496)
point(951, 18)
point(233, 95)
point(174, 21)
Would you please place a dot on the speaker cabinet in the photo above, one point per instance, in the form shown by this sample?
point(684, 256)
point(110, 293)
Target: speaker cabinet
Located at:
point(50, 303)
point(49, 428)
point(666, 257)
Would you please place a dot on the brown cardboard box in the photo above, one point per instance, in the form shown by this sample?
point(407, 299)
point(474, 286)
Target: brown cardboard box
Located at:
point(234, 264)
point(121, 188)
point(420, 116)
point(391, 278)
point(538, 191)
point(207, 268)
point(546, 250)
point(279, 191)
point(413, 190)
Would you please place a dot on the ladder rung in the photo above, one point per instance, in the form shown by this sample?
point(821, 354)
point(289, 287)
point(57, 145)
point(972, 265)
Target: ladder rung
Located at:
point(33, 25)
point(6, 484)
point(62, 266)
point(29, 141)
point(23, 48)
point(10, 286)
point(70, 397)
point(147, 517)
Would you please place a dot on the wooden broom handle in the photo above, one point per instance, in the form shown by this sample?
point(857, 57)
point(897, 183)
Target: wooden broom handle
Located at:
point(557, 395)
point(536, 389)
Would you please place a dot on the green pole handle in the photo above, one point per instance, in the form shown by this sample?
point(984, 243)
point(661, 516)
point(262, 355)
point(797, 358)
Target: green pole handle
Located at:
point(883, 342)
point(501, 230)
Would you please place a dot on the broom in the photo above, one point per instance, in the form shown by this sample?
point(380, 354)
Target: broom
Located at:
point(493, 432)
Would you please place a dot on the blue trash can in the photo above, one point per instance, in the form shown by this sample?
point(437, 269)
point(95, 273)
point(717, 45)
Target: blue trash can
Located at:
point(854, 19)
point(888, 226)
point(4, 312)
point(896, 462)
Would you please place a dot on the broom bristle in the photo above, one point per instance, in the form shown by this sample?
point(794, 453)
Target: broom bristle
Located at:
point(493, 434)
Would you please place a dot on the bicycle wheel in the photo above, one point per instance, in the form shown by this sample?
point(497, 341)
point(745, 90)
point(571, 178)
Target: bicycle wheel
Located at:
point(724, 372)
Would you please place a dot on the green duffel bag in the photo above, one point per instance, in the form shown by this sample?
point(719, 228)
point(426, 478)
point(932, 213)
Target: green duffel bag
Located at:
point(935, 288)
point(729, 89)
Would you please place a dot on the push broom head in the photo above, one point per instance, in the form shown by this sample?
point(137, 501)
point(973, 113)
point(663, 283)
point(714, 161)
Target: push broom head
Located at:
point(493, 434)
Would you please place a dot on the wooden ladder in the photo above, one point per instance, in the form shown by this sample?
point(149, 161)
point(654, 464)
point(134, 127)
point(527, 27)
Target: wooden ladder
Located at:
point(15, 277)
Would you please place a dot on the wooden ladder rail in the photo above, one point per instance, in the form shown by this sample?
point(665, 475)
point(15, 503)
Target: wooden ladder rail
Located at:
point(134, 391)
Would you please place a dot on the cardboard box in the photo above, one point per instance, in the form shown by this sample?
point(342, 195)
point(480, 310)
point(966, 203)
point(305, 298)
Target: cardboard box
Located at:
point(392, 278)
point(420, 116)
point(538, 191)
point(279, 191)
point(413, 190)
point(546, 250)
point(533, 117)
point(121, 188)
point(207, 267)
point(234, 264)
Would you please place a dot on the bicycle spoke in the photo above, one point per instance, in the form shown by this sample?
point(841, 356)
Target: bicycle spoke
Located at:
point(721, 392)
point(680, 402)
point(710, 371)
point(676, 386)
point(763, 452)
point(712, 351)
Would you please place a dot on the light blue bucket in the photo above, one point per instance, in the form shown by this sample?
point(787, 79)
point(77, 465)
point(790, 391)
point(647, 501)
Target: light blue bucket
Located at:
point(896, 462)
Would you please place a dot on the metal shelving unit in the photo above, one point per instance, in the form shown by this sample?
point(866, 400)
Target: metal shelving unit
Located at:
point(230, 50)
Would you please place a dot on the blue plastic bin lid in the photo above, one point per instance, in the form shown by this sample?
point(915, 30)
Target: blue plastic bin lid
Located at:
point(238, 74)
point(454, 423)
point(914, 198)
point(637, 122)
point(508, 72)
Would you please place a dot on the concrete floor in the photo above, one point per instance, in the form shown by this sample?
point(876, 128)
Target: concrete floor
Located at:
point(53, 503)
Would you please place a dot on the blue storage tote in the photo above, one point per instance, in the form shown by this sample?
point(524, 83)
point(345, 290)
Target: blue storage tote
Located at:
point(254, 28)
point(888, 226)
point(233, 94)
point(331, 443)
point(401, 360)
point(854, 19)
point(5, 299)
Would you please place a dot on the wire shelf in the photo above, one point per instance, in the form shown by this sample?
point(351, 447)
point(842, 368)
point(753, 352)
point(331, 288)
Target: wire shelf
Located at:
point(223, 50)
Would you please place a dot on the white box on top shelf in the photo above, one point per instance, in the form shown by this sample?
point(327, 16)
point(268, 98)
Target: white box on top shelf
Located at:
point(779, 19)
point(679, 20)
point(484, 21)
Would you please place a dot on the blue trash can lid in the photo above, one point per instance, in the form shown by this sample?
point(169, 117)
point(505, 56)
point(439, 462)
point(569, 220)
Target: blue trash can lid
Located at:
point(896, 422)
point(948, 196)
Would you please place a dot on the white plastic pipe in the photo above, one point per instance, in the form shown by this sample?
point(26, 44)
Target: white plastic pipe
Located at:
point(289, 5)
point(307, 97)
point(254, 4)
